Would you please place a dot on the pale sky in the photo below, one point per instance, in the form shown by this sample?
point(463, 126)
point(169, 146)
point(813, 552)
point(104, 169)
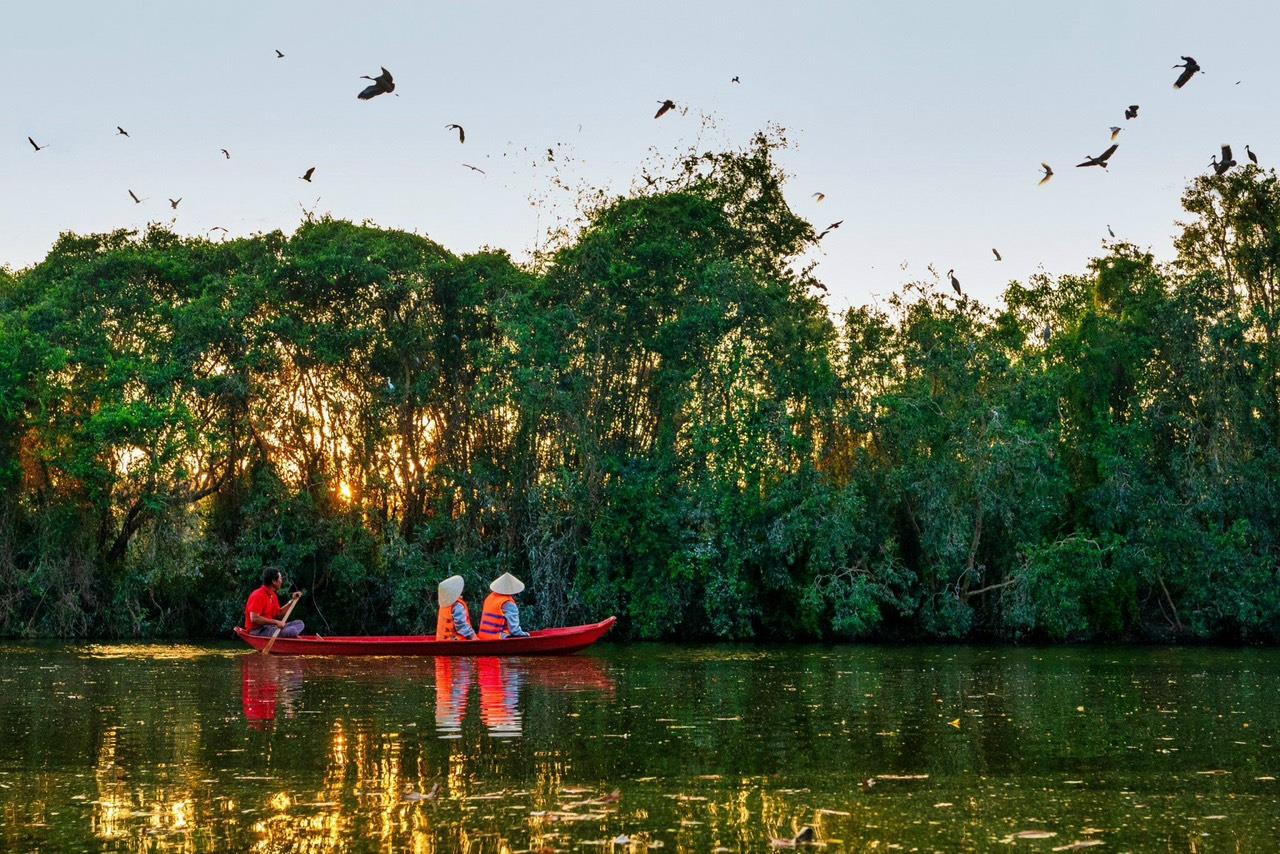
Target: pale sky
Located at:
point(923, 123)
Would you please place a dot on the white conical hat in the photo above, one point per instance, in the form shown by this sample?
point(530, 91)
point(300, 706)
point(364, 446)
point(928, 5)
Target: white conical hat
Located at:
point(506, 584)
point(449, 590)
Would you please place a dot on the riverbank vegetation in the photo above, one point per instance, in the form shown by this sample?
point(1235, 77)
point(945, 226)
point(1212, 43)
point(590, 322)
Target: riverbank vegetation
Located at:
point(658, 418)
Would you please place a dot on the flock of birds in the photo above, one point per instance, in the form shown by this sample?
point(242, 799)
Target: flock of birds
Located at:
point(1220, 166)
point(384, 84)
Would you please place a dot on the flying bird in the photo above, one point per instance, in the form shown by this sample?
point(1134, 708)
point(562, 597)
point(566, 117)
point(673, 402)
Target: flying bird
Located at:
point(735, 79)
point(1131, 112)
point(121, 131)
point(462, 134)
point(829, 228)
point(225, 153)
point(381, 85)
point(1115, 132)
point(279, 55)
point(36, 147)
point(134, 196)
point(1101, 159)
point(996, 252)
point(817, 197)
point(1220, 167)
point(1109, 231)
point(1048, 173)
point(955, 283)
point(173, 203)
point(475, 168)
point(666, 105)
point(306, 176)
point(1189, 67)
point(1252, 157)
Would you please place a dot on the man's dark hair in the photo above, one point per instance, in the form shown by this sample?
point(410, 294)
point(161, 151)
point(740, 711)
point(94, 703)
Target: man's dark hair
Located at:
point(269, 575)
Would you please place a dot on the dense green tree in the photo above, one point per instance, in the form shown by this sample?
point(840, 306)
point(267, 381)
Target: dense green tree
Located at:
point(657, 418)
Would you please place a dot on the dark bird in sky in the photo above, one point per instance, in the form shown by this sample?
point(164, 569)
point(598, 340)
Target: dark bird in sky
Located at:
point(462, 134)
point(1109, 231)
point(121, 131)
point(996, 252)
point(279, 55)
point(219, 228)
point(1221, 166)
point(36, 147)
point(666, 105)
point(1101, 159)
point(955, 283)
point(1115, 132)
point(381, 85)
point(225, 153)
point(475, 168)
point(173, 203)
point(1131, 112)
point(134, 196)
point(830, 228)
point(1189, 67)
point(735, 79)
point(817, 197)
point(306, 176)
point(1048, 173)
point(1253, 158)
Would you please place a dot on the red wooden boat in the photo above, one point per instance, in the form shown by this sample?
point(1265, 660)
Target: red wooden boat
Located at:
point(545, 642)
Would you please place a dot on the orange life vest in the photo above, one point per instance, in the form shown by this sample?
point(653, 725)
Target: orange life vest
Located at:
point(445, 630)
point(493, 623)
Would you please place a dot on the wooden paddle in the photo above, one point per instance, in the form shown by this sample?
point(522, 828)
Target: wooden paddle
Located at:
point(266, 650)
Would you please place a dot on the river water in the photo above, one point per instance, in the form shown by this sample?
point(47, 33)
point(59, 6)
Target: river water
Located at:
point(644, 747)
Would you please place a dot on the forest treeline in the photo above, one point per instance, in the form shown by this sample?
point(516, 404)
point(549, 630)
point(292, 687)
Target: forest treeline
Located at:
point(658, 418)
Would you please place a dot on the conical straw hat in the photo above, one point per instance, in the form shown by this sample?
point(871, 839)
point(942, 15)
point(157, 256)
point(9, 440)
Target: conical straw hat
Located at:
point(506, 585)
point(449, 590)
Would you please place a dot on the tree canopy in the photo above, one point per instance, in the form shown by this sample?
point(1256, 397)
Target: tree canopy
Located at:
point(659, 419)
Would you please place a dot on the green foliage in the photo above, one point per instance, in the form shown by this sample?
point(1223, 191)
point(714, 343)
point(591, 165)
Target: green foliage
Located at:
point(658, 419)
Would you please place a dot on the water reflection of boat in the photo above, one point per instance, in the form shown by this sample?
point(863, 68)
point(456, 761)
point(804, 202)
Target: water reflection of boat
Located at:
point(270, 684)
point(265, 684)
point(545, 642)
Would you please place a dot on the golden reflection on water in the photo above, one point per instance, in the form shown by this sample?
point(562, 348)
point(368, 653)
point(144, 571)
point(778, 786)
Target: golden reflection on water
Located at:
point(510, 755)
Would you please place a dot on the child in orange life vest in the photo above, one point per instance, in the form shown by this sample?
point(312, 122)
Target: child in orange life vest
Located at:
point(453, 621)
point(501, 617)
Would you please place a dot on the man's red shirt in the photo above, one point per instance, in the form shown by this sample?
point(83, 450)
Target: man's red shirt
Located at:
point(262, 602)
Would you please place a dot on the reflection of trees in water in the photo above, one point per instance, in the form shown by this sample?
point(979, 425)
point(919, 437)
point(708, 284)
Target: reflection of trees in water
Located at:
point(377, 774)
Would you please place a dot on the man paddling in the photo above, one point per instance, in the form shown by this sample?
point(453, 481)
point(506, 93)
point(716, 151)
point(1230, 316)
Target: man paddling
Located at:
point(262, 611)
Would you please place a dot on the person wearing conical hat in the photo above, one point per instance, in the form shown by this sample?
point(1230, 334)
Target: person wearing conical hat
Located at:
point(501, 617)
point(453, 622)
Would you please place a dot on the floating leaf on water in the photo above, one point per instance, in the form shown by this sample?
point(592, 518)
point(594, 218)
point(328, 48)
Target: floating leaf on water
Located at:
point(1083, 843)
point(943, 804)
point(955, 723)
point(1215, 772)
point(901, 778)
point(1034, 834)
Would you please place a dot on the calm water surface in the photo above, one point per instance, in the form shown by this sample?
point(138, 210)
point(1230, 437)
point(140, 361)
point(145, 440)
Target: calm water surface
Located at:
point(635, 748)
